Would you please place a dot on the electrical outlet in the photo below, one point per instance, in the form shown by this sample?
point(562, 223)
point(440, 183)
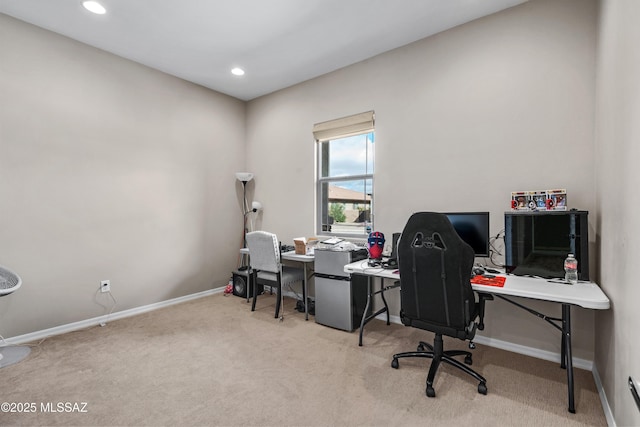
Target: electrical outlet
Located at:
point(105, 286)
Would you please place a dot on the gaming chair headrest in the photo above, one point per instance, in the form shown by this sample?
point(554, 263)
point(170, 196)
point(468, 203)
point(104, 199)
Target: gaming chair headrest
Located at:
point(432, 227)
point(376, 244)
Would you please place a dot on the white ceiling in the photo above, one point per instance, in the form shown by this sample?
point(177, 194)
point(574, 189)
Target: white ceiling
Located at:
point(278, 42)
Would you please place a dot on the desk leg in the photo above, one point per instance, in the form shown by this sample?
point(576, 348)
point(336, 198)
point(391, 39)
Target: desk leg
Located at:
point(245, 263)
point(563, 348)
point(564, 326)
point(370, 294)
point(384, 300)
point(568, 359)
point(366, 309)
point(305, 293)
point(248, 286)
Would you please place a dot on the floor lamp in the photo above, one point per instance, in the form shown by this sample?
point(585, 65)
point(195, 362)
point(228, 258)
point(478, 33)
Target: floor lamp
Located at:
point(245, 177)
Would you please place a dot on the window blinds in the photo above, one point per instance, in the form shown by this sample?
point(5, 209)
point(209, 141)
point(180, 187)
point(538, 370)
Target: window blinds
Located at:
point(346, 126)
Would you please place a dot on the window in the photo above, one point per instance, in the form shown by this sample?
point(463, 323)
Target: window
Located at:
point(345, 176)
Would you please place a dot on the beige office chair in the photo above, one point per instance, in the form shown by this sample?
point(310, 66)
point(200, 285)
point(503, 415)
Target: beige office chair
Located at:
point(266, 268)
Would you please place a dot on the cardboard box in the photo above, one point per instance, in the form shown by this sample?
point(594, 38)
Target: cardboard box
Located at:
point(305, 245)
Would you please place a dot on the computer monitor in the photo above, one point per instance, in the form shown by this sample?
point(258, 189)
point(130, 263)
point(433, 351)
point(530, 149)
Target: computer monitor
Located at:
point(394, 245)
point(473, 228)
point(537, 243)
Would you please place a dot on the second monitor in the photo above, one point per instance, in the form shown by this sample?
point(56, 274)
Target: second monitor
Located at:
point(473, 228)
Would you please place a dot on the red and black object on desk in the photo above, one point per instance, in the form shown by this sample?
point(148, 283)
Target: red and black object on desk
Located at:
point(488, 280)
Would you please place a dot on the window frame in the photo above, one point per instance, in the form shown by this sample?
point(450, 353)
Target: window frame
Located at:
point(320, 181)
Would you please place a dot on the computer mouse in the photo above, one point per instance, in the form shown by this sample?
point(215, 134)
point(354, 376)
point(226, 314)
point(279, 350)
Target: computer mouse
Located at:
point(478, 271)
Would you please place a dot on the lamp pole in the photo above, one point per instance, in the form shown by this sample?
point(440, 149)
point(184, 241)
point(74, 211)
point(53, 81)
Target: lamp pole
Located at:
point(245, 211)
point(244, 177)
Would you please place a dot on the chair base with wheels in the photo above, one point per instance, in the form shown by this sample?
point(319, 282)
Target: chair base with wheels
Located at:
point(438, 354)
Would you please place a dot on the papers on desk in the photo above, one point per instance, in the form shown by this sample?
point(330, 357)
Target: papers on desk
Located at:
point(337, 244)
point(332, 241)
point(497, 281)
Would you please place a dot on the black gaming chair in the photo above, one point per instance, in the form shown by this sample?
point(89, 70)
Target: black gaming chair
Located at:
point(435, 270)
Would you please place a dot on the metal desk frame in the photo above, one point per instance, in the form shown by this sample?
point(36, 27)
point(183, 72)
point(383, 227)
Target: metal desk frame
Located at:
point(583, 294)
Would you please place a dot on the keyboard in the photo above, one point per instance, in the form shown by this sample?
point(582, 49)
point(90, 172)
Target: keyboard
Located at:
point(287, 248)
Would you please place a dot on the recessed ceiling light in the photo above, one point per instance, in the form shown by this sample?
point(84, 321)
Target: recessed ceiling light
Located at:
point(95, 7)
point(237, 71)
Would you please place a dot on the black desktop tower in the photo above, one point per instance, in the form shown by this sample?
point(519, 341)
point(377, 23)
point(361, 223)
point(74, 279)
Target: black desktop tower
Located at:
point(536, 243)
point(241, 282)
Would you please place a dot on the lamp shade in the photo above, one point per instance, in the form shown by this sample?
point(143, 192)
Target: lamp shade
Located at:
point(244, 176)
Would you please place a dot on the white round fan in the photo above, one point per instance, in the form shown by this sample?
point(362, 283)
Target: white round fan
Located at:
point(9, 283)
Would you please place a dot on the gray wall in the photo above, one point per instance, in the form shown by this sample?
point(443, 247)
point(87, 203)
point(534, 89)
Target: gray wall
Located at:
point(617, 353)
point(109, 170)
point(463, 118)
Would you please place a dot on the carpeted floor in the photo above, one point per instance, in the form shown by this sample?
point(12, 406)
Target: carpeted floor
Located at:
point(212, 361)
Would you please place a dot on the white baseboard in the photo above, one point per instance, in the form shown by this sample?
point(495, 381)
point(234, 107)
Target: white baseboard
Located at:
point(611, 422)
point(83, 324)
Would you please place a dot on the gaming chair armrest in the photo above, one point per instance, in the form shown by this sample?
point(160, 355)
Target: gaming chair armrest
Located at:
point(482, 299)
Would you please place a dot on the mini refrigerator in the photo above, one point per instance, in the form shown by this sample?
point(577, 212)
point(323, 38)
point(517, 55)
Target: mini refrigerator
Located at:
point(340, 298)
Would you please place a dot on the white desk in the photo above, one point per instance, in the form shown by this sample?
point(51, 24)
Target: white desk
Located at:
point(583, 294)
point(305, 260)
point(292, 256)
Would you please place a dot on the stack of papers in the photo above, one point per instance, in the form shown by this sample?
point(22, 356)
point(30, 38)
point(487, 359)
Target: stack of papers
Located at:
point(332, 241)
